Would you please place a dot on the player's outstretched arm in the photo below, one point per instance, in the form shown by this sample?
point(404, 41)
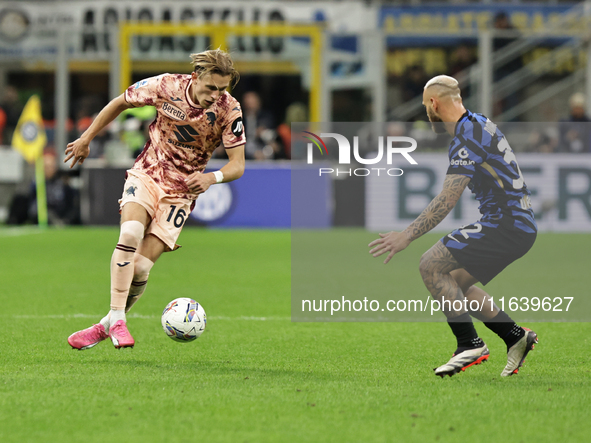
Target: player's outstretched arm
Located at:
point(199, 183)
point(432, 215)
point(440, 206)
point(78, 149)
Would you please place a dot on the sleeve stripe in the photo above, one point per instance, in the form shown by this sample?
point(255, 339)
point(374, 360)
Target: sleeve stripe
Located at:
point(235, 146)
point(477, 132)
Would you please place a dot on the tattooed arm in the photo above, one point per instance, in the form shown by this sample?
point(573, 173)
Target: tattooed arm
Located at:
point(440, 206)
point(432, 215)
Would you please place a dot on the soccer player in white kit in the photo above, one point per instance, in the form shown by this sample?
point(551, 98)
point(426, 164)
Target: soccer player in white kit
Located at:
point(195, 114)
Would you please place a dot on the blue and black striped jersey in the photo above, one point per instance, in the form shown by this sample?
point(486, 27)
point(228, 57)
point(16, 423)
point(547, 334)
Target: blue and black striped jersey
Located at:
point(480, 151)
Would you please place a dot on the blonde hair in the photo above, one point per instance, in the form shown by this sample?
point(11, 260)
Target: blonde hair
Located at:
point(445, 85)
point(215, 61)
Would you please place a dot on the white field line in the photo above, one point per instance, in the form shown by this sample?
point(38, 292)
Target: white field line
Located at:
point(18, 232)
point(144, 317)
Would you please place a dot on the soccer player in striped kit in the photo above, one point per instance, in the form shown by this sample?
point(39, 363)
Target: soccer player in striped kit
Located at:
point(480, 158)
point(195, 114)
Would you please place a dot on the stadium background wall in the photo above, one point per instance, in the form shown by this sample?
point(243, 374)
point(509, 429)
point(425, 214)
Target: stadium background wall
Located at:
point(560, 187)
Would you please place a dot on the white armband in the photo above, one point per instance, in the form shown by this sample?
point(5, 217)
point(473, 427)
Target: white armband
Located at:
point(219, 176)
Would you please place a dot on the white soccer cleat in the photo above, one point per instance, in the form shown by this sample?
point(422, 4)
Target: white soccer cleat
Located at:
point(465, 359)
point(517, 353)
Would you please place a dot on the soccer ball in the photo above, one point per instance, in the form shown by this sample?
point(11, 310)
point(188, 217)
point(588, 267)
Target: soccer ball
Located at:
point(183, 319)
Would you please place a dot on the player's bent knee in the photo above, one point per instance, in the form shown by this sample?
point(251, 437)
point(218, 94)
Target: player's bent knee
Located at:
point(425, 265)
point(142, 267)
point(131, 233)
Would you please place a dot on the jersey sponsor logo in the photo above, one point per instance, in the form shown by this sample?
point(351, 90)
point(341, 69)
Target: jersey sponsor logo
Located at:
point(462, 162)
point(238, 127)
point(463, 153)
point(173, 112)
point(211, 118)
point(185, 133)
point(180, 145)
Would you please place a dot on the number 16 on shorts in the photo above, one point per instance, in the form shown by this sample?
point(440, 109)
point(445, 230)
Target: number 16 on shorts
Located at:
point(176, 217)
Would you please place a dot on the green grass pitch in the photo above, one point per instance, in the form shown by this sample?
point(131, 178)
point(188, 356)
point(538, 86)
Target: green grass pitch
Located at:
point(254, 376)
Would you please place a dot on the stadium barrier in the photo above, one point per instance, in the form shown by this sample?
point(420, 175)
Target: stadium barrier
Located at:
point(259, 199)
point(560, 185)
point(271, 195)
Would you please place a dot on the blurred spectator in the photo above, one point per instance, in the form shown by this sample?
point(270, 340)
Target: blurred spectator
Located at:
point(542, 141)
point(413, 82)
point(2, 125)
point(460, 60)
point(63, 206)
point(12, 108)
point(98, 144)
point(259, 127)
point(575, 130)
point(295, 113)
point(133, 127)
point(507, 35)
point(83, 121)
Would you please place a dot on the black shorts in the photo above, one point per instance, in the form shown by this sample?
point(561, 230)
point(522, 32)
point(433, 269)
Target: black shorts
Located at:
point(485, 248)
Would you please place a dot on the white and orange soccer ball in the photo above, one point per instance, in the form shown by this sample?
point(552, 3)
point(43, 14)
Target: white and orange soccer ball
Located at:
point(183, 319)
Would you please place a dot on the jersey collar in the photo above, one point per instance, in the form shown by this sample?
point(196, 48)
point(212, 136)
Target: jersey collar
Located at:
point(464, 115)
point(188, 96)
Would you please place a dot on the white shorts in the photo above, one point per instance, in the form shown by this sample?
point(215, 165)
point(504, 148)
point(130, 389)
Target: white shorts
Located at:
point(168, 213)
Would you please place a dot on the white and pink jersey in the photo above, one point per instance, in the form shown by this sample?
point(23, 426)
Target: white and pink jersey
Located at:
point(184, 135)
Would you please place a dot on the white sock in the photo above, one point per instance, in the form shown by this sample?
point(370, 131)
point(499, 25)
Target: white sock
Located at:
point(111, 318)
point(106, 323)
point(116, 315)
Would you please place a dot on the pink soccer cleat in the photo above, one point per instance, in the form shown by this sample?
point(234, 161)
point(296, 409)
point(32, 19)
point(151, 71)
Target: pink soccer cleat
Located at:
point(87, 338)
point(120, 336)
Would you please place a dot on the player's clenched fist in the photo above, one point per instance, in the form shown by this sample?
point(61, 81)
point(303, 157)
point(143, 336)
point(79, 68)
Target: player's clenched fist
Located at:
point(78, 150)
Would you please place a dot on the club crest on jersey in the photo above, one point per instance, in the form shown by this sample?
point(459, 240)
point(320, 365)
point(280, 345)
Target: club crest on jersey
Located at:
point(173, 112)
point(131, 190)
point(211, 118)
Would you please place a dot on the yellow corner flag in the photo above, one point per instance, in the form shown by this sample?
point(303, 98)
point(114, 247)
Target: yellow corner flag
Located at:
point(29, 138)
